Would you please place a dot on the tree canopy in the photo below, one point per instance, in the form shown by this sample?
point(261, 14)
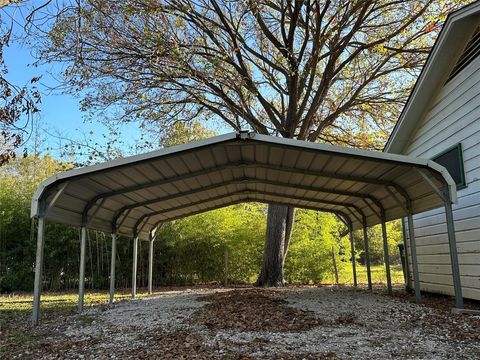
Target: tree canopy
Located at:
point(336, 71)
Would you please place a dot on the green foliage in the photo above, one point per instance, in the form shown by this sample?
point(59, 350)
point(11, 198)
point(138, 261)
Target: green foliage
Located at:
point(394, 233)
point(192, 249)
point(309, 255)
point(18, 180)
point(182, 133)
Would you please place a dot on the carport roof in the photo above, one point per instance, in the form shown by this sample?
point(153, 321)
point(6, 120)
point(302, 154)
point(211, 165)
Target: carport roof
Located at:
point(133, 195)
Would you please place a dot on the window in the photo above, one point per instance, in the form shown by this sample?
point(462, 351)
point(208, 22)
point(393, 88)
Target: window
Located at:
point(452, 160)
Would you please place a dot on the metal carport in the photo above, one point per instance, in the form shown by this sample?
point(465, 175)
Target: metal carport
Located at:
point(133, 196)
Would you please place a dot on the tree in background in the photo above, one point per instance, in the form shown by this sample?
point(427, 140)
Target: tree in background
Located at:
point(334, 71)
point(195, 246)
point(395, 236)
point(313, 237)
point(185, 132)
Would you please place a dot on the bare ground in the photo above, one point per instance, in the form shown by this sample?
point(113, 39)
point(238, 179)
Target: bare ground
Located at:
point(247, 323)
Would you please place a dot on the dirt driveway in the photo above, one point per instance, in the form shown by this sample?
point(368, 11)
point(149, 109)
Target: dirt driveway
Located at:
point(290, 323)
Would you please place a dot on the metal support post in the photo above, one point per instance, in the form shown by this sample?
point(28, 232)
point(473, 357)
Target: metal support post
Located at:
point(367, 257)
point(134, 267)
point(386, 256)
point(446, 196)
point(81, 276)
point(408, 284)
point(354, 260)
point(413, 249)
point(38, 271)
point(112, 267)
point(452, 243)
point(150, 266)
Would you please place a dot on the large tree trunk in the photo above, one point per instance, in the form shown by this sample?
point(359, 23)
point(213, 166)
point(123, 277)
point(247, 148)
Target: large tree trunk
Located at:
point(279, 230)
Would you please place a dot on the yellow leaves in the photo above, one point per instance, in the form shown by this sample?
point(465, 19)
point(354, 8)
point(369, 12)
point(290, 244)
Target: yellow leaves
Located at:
point(27, 173)
point(366, 107)
point(178, 22)
point(181, 133)
point(4, 3)
point(379, 49)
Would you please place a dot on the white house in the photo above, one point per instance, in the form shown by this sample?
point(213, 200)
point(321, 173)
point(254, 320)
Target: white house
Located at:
point(441, 121)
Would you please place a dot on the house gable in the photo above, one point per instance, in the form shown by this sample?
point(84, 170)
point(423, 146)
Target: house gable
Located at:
point(448, 49)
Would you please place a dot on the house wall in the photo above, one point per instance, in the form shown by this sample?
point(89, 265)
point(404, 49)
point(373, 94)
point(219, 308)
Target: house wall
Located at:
point(454, 117)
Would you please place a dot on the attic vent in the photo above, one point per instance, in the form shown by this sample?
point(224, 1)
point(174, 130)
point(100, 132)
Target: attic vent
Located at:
point(472, 50)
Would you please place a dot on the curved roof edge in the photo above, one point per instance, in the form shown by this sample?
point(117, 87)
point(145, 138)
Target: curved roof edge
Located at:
point(457, 30)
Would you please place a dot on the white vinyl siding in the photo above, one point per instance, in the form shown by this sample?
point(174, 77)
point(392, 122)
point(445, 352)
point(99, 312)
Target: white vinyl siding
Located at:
point(454, 117)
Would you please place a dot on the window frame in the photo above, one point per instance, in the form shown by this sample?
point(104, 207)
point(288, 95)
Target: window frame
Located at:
point(463, 183)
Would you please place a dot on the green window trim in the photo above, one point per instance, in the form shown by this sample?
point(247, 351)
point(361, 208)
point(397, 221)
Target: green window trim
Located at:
point(461, 184)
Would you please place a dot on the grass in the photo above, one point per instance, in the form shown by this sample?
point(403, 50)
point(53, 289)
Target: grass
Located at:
point(53, 301)
point(345, 275)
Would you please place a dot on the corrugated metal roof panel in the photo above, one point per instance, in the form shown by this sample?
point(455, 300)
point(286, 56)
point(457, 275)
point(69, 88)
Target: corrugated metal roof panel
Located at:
point(189, 179)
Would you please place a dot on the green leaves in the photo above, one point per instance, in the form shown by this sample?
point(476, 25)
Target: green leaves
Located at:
point(18, 181)
point(182, 133)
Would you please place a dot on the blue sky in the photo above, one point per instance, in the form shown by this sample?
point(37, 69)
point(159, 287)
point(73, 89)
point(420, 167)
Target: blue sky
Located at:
point(59, 113)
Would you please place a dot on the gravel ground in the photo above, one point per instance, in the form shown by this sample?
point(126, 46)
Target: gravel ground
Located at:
point(354, 324)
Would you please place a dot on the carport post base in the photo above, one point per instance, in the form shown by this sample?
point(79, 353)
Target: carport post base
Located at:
point(458, 311)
